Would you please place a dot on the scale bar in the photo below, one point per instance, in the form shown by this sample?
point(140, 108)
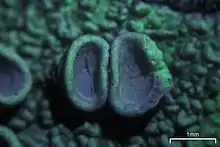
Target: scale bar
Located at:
point(188, 139)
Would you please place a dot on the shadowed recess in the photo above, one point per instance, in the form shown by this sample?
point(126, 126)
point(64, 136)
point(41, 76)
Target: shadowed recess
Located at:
point(4, 143)
point(11, 78)
point(86, 70)
point(189, 6)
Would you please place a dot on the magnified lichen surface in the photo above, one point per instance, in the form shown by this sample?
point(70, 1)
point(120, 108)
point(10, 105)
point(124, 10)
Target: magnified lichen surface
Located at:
point(109, 73)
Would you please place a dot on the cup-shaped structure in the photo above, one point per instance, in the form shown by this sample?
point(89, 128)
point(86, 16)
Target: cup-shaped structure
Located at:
point(85, 73)
point(139, 76)
point(8, 138)
point(15, 78)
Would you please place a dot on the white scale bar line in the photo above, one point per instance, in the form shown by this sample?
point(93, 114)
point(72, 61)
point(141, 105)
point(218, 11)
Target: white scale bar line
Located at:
point(179, 139)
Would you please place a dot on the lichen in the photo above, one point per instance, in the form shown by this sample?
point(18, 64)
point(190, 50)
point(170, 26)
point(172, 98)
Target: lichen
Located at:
point(15, 76)
point(8, 138)
point(146, 67)
point(77, 64)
